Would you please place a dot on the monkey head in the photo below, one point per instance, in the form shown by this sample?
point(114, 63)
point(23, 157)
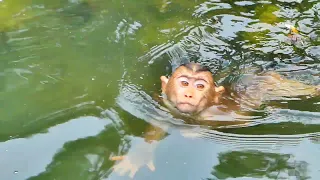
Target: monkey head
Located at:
point(190, 89)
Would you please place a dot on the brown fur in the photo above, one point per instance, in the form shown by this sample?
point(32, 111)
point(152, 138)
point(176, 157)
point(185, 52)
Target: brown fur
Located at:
point(193, 72)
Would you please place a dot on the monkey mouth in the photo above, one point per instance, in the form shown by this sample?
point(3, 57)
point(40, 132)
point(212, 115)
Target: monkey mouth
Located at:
point(186, 107)
point(185, 103)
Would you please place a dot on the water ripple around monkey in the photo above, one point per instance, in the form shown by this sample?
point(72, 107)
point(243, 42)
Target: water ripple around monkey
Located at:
point(136, 102)
point(254, 37)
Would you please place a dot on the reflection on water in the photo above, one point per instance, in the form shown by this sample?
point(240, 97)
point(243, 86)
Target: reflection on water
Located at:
point(257, 164)
point(79, 83)
point(40, 149)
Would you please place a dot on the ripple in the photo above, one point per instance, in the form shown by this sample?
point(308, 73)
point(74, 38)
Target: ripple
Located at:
point(62, 40)
point(62, 112)
point(139, 104)
point(156, 52)
point(244, 3)
point(125, 29)
point(289, 115)
point(314, 51)
point(210, 6)
point(267, 142)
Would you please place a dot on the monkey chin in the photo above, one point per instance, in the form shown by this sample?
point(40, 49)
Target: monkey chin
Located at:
point(186, 108)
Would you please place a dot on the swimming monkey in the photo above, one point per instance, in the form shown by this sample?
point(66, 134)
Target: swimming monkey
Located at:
point(191, 91)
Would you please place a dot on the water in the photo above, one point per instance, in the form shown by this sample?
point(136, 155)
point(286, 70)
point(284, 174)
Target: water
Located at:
point(79, 81)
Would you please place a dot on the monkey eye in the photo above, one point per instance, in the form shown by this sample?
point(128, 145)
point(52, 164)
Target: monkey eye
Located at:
point(200, 86)
point(184, 83)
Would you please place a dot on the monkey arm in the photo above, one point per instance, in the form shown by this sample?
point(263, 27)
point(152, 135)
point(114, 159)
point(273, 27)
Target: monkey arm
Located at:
point(215, 116)
point(140, 154)
point(154, 133)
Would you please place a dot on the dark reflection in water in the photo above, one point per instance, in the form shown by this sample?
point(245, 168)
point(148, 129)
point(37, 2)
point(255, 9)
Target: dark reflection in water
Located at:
point(258, 165)
point(38, 150)
point(91, 157)
point(77, 14)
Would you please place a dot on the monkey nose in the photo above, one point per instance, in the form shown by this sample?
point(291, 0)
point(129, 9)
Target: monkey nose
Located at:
point(188, 93)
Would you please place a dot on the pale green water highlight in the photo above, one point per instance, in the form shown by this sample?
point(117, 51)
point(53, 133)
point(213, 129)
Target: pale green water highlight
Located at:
point(77, 81)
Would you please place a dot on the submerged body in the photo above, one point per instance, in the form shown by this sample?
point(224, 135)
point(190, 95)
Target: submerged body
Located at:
point(258, 89)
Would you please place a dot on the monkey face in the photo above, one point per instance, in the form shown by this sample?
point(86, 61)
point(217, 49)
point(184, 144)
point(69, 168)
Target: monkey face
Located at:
point(190, 91)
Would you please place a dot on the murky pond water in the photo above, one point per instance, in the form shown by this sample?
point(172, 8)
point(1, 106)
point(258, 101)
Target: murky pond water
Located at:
point(79, 81)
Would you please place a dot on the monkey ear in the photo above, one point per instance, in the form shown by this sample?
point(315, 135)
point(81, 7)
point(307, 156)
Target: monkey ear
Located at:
point(164, 82)
point(220, 89)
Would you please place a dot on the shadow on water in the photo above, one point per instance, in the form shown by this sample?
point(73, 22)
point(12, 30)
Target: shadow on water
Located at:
point(256, 165)
point(79, 82)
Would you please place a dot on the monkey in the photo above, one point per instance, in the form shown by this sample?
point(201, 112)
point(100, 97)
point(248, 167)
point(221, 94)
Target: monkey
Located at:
point(191, 92)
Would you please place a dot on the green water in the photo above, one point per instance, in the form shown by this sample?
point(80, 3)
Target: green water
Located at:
point(78, 81)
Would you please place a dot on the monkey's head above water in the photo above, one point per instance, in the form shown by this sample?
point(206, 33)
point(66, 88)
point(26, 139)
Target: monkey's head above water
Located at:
point(191, 89)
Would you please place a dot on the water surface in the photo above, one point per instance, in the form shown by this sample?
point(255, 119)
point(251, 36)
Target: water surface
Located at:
point(79, 81)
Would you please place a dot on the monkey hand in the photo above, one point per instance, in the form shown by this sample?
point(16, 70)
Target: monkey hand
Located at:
point(138, 156)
